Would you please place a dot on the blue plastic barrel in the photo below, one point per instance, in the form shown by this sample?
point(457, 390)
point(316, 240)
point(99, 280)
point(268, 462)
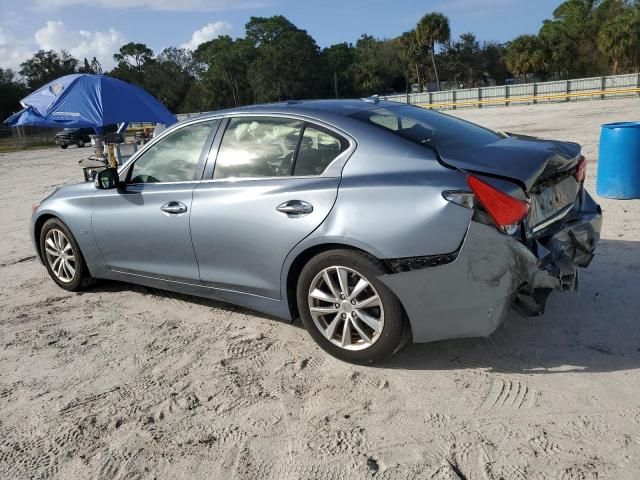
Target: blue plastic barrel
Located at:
point(619, 161)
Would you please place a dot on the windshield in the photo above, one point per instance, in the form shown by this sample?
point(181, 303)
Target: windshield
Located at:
point(428, 128)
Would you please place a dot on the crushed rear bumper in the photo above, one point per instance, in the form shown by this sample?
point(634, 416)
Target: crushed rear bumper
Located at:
point(493, 272)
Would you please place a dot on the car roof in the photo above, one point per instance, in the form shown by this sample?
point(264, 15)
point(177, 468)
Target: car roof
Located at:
point(320, 109)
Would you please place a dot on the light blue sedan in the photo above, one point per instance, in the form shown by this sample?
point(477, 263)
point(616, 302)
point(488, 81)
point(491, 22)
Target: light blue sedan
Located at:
point(377, 223)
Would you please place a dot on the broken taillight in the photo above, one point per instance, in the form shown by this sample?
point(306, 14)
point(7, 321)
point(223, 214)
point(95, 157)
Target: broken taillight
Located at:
point(507, 212)
point(581, 169)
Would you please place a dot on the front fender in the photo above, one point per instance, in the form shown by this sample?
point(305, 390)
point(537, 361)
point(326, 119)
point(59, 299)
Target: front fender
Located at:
point(74, 209)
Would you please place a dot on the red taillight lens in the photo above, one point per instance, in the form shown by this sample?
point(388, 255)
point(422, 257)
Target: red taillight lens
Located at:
point(505, 210)
point(581, 170)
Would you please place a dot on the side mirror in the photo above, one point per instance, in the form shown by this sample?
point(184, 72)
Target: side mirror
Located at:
point(107, 179)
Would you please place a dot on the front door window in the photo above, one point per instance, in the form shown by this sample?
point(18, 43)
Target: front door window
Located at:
point(175, 157)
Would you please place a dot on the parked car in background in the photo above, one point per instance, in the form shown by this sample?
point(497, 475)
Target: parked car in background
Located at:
point(81, 136)
point(375, 222)
point(74, 136)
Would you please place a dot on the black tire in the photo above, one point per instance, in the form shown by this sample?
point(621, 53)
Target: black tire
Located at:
point(64, 147)
point(395, 332)
point(80, 143)
point(81, 279)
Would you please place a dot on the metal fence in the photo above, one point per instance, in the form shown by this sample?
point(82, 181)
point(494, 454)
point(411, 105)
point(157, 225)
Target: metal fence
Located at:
point(25, 137)
point(526, 94)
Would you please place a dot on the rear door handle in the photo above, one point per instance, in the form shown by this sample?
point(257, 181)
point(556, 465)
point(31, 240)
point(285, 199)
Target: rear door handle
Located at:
point(295, 208)
point(174, 208)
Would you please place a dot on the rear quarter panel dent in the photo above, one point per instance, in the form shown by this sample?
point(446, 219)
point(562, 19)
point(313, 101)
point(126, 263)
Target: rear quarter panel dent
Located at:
point(469, 297)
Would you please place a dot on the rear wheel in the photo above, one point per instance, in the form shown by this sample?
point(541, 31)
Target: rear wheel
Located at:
point(62, 257)
point(349, 312)
point(63, 146)
point(80, 143)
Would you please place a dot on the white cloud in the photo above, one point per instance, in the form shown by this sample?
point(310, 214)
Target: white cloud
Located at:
point(12, 52)
point(208, 32)
point(167, 5)
point(81, 44)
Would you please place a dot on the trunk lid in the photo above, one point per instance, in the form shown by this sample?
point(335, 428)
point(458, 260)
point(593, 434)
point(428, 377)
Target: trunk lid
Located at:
point(544, 168)
point(527, 160)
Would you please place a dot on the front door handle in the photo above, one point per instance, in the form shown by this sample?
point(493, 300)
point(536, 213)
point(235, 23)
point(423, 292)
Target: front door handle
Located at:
point(174, 208)
point(295, 208)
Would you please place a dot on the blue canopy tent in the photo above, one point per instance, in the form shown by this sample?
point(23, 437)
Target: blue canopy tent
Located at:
point(27, 116)
point(83, 100)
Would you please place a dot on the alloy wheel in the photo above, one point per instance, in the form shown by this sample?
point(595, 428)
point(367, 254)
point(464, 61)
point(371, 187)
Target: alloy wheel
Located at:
point(60, 255)
point(346, 308)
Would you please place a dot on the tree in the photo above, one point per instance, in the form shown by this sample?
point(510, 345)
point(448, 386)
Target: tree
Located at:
point(338, 60)
point(181, 57)
point(94, 67)
point(411, 53)
point(169, 76)
point(432, 29)
point(524, 55)
point(45, 66)
point(495, 67)
point(276, 60)
point(287, 67)
point(619, 40)
point(133, 59)
point(11, 92)
point(287, 60)
point(378, 67)
point(463, 60)
point(197, 99)
point(265, 30)
point(225, 70)
point(572, 36)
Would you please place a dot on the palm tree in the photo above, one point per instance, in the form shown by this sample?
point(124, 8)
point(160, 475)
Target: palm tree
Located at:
point(525, 54)
point(410, 52)
point(619, 39)
point(431, 29)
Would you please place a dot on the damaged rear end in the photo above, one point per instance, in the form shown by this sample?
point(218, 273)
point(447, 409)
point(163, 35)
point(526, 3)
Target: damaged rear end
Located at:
point(551, 214)
point(562, 230)
point(534, 226)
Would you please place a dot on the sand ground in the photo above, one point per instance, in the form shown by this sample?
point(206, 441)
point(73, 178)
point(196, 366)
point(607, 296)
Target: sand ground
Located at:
point(130, 382)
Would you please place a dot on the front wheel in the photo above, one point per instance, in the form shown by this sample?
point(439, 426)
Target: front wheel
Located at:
point(81, 143)
point(62, 256)
point(349, 312)
point(63, 146)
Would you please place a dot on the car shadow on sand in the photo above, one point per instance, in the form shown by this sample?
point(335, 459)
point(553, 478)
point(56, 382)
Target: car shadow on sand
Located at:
point(596, 330)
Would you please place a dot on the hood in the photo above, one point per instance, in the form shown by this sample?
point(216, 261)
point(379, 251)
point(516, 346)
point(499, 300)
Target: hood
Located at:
point(75, 190)
point(516, 157)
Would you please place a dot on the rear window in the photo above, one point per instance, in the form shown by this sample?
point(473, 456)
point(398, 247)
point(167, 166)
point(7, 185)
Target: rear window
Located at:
point(428, 128)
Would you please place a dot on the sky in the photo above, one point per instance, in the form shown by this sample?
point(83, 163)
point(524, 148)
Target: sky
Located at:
point(88, 28)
